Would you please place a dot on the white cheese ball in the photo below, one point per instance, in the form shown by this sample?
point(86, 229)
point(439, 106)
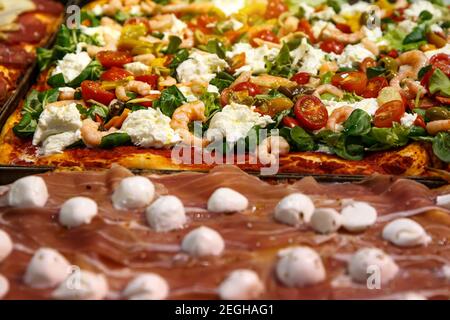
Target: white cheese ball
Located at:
point(77, 211)
point(133, 193)
point(6, 245)
point(405, 232)
point(300, 267)
point(82, 285)
point(4, 286)
point(325, 220)
point(443, 201)
point(148, 286)
point(358, 216)
point(28, 192)
point(294, 209)
point(203, 241)
point(166, 213)
point(363, 263)
point(47, 269)
point(227, 200)
point(241, 284)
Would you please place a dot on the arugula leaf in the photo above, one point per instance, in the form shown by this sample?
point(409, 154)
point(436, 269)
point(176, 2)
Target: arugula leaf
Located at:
point(349, 148)
point(215, 46)
point(115, 139)
point(386, 138)
point(375, 71)
point(441, 146)
point(171, 98)
point(281, 66)
point(439, 82)
point(26, 127)
point(174, 44)
point(222, 80)
point(302, 140)
point(416, 35)
point(424, 16)
point(178, 58)
point(212, 105)
point(358, 124)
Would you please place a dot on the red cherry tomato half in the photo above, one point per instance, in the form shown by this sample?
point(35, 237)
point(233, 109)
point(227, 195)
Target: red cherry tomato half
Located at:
point(290, 122)
point(151, 79)
point(225, 96)
point(388, 113)
point(301, 78)
point(115, 74)
point(393, 53)
point(305, 27)
point(265, 35)
point(330, 45)
point(310, 112)
point(352, 81)
point(110, 59)
point(426, 78)
point(374, 86)
point(441, 61)
point(367, 63)
point(275, 8)
point(344, 27)
point(252, 89)
point(93, 90)
point(420, 122)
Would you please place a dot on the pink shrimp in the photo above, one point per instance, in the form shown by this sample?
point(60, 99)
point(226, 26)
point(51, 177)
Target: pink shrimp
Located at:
point(338, 116)
point(185, 114)
point(90, 133)
point(331, 32)
point(328, 88)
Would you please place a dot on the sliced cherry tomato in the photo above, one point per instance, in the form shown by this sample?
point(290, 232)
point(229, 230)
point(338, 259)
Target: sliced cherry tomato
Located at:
point(310, 112)
point(151, 79)
point(425, 82)
point(301, 78)
point(344, 27)
point(265, 35)
point(115, 74)
point(93, 90)
point(389, 113)
point(441, 61)
point(374, 86)
point(252, 88)
point(393, 53)
point(367, 63)
point(420, 122)
point(290, 122)
point(330, 45)
point(110, 59)
point(275, 8)
point(352, 81)
point(225, 96)
point(305, 27)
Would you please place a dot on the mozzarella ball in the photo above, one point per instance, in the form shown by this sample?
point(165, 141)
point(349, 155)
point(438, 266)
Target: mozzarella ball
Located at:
point(227, 200)
point(241, 285)
point(361, 264)
point(300, 267)
point(443, 201)
point(166, 213)
point(28, 192)
point(325, 220)
point(203, 241)
point(149, 286)
point(77, 211)
point(294, 209)
point(4, 286)
point(358, 216)
point(405, 232)
point(133, 193)
point(47, 269)
point(6, 245)
point(82, 285)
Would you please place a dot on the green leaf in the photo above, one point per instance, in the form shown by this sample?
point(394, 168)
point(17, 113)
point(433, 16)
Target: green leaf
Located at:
point(349, 148)
point(326, 78)
point(178, 58)
point(358, 124)
point(423, 71)
point(171, 98)
point(26, 127)
point(386, 138)
point(302, 140)
point(439, 82)
point(115, 139)
point(212, 105)
point(215, 46)
point(281, 66)
point(416, 35)
point(174, 44)
point(441, 146)
point(222, 80)
point(56, 80)
point(375, 71)
point(424, 16)
point(48, 96)
point(92, 72)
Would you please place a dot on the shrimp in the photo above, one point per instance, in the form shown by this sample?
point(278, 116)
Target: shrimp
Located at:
point(288, 23)
point(185, 114)
point(66, 94)
point(110, 40)
point(139, 87)
point(112, 7)
point(148, 7)
point(197, 7)
point(62, 103)
point(90, 133)
point(271, 148)
point(274, 82)
point(167, 82)
point(268, 44)
point(328, 88)
point(434, 127)
point(414, 89)
point(146, 58)
point(416, 59)
point(371, 46)
point(338, 116)
point(331, 32)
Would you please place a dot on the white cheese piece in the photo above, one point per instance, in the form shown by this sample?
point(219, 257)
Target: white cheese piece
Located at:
point(408, 119)
point(28, 192)
point(326, 14)
point(349, 10)
point(200, 66)
point(445, 49)
point(187, 93)
point(133, 193)
point(353, 53)
point(150, 128)
point(71, 65)
point(255, 58)
point(358, 216)
point(443, 201)
point(66, 90)
point(405, 232)
point(229, 7)
point(418, 6)
point(99, 33)
point(368, 105)
point(203, 241)
point(406, 26)
point(77, 211)
point(317, 28)
point(58, 142)
point(325, 220)
point(82, 285)
point(211, 88)
point(294, 209)
point(177, 28)
point(236, 24)
point(97, 10)
point(234, 122)
point(300, 267)
point(436, 28)
point(135, 10)
point(227, 200)
point(4, 286)
point(147, 286)
point(47, 269)
point(137, 68)
point(6, 245)
point(370, 260)
point(308, 11)
point(242, 284)
point(309, 58)
point(373, 34)
point(166, 214)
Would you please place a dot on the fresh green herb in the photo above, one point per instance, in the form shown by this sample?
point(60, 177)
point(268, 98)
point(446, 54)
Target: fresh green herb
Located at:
point(358, 124)
point(215, 46)
point(282, 65)
point(89, 16)
point(121, 16)
point(423, 71)
point(375, 71)
point(26, 127)
point(349, 148)
point(326, 78)
point(92, 72)
point(178, 58)
point(222, 80)
point(115, 139)
point(174, 44)
point(441, 146)
point(211, 102)
point(439, 82)
point(424, 16)
point(171, 98)
point(302, 140)
point(416, 35)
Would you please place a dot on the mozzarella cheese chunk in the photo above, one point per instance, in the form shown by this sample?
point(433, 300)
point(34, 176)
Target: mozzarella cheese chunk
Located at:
point(405, 232)
point(309, 58)
point(229, 7)
point(325, 14)
point(325, 220)
point(71, 65)
point(28, 192)
point(150, 128)
point(82, 285)
point(47, 269)
point(4, 286)
point(177, 27)
point(242, 284)
point(137, 68)
point(299, 267)
point(147, 286)
point(77, 211)
point(234, 122)
point(187, 93)
point(317, 29)
point(443, 201)
point(255, 58)
point(406, 26)
point(166, 213)
point(445, 49)
point(369, 260)
point(408, 119)
point(58, 142)
point(203, 241)
point(368, 105)
point(294, 209)
point(200, 66)
point(133, 193)
point(353, 53)
point(348, 10)
point(6, 245)
point(358, 216)
point(418, 6)
point(227, 200)
point(101, 32)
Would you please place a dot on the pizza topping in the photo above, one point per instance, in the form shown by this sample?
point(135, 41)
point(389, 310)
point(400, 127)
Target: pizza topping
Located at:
point(311, 112)
point(200, 66)
point(295, 209)
point(110, 59)
point(358, 216)
point(28, 192)
point(77, 211)
point(166, 213)
point(92, 90)
point(137, 68)
point(389, 113)
point(48, 6)
point(4, 286)
point(15, 56)
point(91, 286)
point(241, 284)
point(405, 233)
point(255, 58)
point(133, 193)
point(31, 30)
point(227, 200)
point(325, 220)
point(443, 201)
point(6, 245)
point(147, 286)
point(71, 65)
point(203, 241)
